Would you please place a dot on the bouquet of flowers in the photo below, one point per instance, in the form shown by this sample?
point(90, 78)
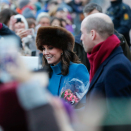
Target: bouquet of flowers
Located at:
point(69, 96)
point(74, 91)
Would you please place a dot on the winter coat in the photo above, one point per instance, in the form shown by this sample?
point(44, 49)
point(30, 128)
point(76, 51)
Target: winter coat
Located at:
point(111, 80)
point(5, 31)
point(120, 13)
point(76, 79)
point(124, 45)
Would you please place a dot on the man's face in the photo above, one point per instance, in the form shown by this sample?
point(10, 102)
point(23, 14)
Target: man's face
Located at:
point(86, 39)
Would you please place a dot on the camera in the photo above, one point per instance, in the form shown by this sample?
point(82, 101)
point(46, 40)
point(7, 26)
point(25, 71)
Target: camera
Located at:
point(18, 20)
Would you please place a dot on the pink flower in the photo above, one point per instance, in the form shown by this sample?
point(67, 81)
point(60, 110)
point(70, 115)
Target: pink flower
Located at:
point(65, 95)
point(74, 97)
point(68, 98)
point(70, 95)
point(66, 92)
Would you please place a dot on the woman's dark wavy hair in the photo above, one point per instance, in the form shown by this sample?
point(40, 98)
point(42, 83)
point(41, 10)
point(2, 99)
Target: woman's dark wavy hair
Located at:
point(60, 38)
point(6, 14)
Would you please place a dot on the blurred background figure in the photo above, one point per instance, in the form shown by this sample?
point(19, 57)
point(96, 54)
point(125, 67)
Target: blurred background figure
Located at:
point(43, 19)
point(29, 15)
point(5, 16)
point(30, 18)
point(120, 14)
point(4, 4)
point(56, 22)
point(20, 26)
point(23, 4)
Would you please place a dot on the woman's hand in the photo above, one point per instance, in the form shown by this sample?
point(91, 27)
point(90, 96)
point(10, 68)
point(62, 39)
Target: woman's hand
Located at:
point(22, 33)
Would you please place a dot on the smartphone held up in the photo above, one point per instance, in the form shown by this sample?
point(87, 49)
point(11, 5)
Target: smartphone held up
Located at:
point(30, 31)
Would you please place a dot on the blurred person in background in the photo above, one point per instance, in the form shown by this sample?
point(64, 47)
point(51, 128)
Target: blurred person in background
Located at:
point(18, 22)
point(30, 17)
point(28, 14)
point(77, 9)
point(31, 23)
point(4, 4)
point(63, 22)
point(49, 6)
point(37, 5)
point(43, 19)
point(23, 4)
point(60, 13)
point(65, 70)
point(5, 16)
point(5, 31)
point(20, 26)
point(64, 14)
point(120, 13)
point(76, 5)
point(56, 22)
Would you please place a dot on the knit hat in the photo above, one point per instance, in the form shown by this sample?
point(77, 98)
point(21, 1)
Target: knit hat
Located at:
point(23, 3)
point(27, 13)
point(56, 36)
point(42, 15)
point(22, 19)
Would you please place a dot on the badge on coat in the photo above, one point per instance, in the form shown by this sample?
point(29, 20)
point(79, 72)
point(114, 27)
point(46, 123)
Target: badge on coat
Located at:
point(126, 16)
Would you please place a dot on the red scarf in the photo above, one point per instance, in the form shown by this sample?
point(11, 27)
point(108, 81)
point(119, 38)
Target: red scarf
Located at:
point(101, 52)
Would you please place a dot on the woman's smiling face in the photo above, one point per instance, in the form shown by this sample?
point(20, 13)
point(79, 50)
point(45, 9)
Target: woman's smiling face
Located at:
point(52, 54)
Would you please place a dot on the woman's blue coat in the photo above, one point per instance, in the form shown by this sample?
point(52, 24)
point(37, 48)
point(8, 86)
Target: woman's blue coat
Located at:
point(77, 78)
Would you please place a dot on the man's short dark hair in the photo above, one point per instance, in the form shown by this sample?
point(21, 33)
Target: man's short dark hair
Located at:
point(92, 6)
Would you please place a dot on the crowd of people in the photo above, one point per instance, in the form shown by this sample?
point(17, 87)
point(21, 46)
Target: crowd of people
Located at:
point(83, 81)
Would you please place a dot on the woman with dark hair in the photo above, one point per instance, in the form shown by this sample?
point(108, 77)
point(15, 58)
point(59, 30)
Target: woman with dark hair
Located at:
point(66, 72)
point(5, 16)
point(56, 22)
